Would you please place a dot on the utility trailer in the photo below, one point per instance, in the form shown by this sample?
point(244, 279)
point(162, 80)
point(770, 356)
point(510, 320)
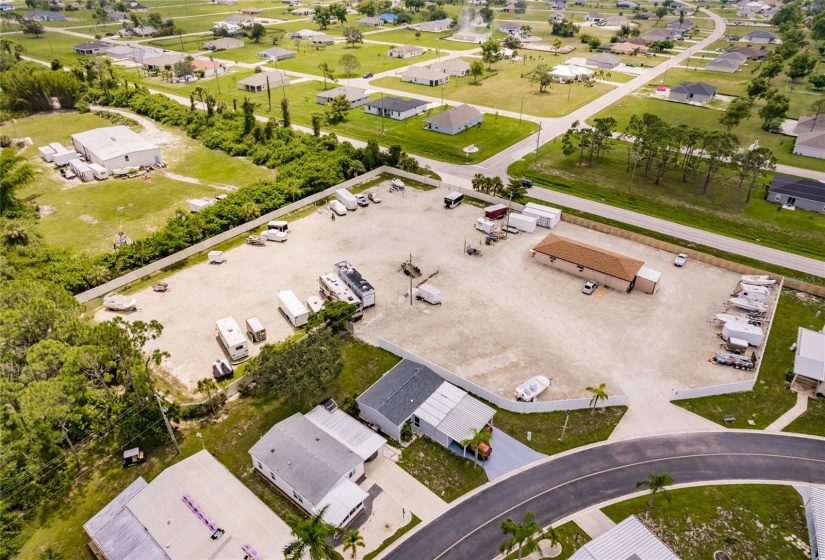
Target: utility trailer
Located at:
point(735, 361)
point(347, 199)
point(546, 216)
point(293, 308)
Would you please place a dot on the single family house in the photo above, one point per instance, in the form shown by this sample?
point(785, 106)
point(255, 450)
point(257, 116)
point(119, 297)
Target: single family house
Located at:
point(798, 193)
point(395, 107)
point(453, 121)
point(424, 76)
point(356, 96)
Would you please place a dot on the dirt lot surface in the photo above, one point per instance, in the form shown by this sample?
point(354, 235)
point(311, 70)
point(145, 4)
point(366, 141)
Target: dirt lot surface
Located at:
point(504, 317)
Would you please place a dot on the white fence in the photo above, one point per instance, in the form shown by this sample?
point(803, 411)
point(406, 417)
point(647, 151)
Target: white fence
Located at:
point(499, 401)
point(158, 265)
point(740, 386)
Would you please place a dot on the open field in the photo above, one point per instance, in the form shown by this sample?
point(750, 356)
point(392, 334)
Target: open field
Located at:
point(87, 216)
point(373, 58)
point(769, 398)
point(427, 40)
point(561, 344)
point(722, 211)
point(708, 118)
point(697, 521)
point(506, 89)
point(49, 46)
point(240, 424)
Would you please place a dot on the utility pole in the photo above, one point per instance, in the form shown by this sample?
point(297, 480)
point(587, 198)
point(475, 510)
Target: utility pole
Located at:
point(564, 429)
point(636, 157)
point(217, 81)
point(538, 142)
point(382, 112)
point(521, 110)
point(166, 421)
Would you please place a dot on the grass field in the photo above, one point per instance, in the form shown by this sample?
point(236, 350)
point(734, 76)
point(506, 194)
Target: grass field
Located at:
point(506, 89)
point(697, 521)
point(722, 211)
point(748, 131)
point(229, 438)
point(427, 40)
point(87, 216)
point(439, 469)
point(372, 58)
point(769, 398)
point(49, 46)
point(583, 427)
point(812, 421)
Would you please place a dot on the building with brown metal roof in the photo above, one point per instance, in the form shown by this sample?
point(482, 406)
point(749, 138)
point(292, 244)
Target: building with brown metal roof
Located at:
point(592, 263)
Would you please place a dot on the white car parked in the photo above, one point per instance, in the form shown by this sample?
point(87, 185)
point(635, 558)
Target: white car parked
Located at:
point(680, 260)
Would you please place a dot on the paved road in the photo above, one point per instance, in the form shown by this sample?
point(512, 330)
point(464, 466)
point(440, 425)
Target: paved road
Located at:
point(565, 485)
point(721, 242)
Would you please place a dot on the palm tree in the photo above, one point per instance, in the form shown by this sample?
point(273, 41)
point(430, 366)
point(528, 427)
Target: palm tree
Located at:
point(250, 211)
point(522, 535)
point(477, 438)
point(552, 534)
point(207, 385)
point(656, 482)
point(599, 394)
point(311, 536)
point(15, 174)
point(352, 540)
point(326, 71)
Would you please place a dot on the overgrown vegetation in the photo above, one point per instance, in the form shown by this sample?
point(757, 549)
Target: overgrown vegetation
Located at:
point(748, 521)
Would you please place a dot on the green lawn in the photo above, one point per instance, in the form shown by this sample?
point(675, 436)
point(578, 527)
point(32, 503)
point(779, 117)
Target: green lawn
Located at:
point(769, 398)
point(748, 131)
point(427, 40)
point(697, 521)
point(583, 427)
point(86, 217)
point(372, 58)
point(50, 46)
point(439, 469)
point(243, 422)
point(571, 538)
point(722, 211)
point(506, 89)
point(812, 421)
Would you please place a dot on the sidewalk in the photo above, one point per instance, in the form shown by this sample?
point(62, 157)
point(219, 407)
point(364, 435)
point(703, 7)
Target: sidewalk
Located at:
point(780, 423)
point(593, 522)
point(404, 488)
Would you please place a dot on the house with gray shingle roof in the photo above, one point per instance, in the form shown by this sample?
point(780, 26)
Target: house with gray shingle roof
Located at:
point(692, 92)
point(454, 120)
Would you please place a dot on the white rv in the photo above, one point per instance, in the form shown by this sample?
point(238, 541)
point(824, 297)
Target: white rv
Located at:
point(347, 199)
point(333, 289)
point(233, 339)
point(292, 307)
point(362, 289)
point(99, 171)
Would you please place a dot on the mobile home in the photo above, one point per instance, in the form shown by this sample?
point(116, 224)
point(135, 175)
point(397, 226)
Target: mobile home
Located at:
point(453, 199)
point(233, 339)
point(545, 215)
point(347, 199)
point(293, 308)
point(362, 289)
point(82, 170)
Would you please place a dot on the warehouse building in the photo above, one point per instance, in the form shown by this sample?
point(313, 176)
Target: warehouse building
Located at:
point(411, 392)
point(194, 509)
point(116, 147)
point(593, 263)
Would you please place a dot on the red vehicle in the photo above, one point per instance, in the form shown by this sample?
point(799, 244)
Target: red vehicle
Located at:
point(495, 212)
point(484, 450)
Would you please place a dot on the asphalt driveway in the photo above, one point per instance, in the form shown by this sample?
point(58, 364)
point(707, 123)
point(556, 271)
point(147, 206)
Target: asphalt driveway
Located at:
point(508, 455)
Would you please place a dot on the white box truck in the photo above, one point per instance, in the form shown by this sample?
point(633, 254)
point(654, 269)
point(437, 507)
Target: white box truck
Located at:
point(521, 222)
point(233, 339)
point(545, 215)
point(293, 308)
point(486, 226)
point(745, 331)
point(362, 289)
point(99, 171)
point(347, 199)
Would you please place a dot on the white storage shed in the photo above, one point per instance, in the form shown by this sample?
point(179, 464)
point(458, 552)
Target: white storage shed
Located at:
point(545, 215)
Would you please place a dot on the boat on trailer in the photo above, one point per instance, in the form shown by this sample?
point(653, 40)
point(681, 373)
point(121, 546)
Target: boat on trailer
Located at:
point(759, 280)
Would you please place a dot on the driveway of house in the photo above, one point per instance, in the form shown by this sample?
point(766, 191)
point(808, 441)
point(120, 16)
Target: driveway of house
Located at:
point(508, 455)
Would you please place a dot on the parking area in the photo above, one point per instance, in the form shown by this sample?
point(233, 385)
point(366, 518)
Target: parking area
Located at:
point(504, 318)
point(509, 454)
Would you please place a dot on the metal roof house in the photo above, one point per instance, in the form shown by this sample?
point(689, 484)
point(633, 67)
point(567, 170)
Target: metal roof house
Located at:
point(454, 120)
point(91, 48)
point(276, 53)
point(438, 409)
point(629, 540)
point(797, 192)
point(115, 147)
point(692, 92)
point(814, 499)
point(178, 514)
point(258, 82)
point(395, 107)
point(589, 262)
point(356, 96)
point(312, 467)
